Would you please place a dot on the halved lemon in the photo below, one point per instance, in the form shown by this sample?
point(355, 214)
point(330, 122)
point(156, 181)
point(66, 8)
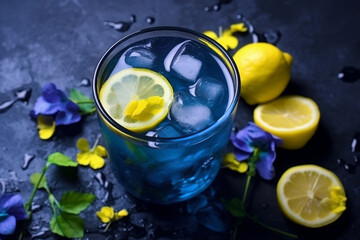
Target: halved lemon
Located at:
point(293, 118)
point(137, 98)
point(311, 195)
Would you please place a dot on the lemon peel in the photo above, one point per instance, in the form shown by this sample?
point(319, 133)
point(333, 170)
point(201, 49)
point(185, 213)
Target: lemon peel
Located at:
point(265, 71)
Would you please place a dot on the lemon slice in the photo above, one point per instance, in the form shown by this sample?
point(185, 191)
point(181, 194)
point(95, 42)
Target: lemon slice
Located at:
point(294, 119)
point(310, 195)
point(138, 99)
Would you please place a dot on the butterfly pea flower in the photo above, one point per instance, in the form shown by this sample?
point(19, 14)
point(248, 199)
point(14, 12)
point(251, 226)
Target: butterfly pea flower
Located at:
point(53, 108)
point(11, 210)
point(93, 157)
point(254, 144)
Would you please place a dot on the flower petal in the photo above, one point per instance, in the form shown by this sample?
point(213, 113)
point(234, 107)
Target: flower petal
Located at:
point(100, 151)
point(46, 126)
point(265, 165)
point(238, 27)
point(51, 94)
point(211, 34)
point(7, 225)
point(13, 205)
point(83, 158)
point(106, 214)
point(43, 107)
point(96, 162)
point(68, 115)
point(122, 213)
point(83, 144)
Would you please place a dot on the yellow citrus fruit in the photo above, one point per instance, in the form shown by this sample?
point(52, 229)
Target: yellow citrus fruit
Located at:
point(264, 71)
point(138, 99)
point(311, 195)
point(293, 118)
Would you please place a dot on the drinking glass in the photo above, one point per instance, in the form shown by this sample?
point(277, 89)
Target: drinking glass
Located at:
point(166, 170)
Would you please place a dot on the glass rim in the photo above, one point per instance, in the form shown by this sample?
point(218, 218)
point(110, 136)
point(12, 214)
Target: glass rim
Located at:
point(139, 136)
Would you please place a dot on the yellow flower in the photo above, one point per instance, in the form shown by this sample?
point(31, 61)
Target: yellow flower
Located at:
point(46, 126)
point(108, 215)
point(336, 201)
point(226, 38)
point(93, 157)
point(232, 163)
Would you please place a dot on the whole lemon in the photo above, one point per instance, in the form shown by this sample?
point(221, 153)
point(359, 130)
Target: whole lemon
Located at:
point(264, 71)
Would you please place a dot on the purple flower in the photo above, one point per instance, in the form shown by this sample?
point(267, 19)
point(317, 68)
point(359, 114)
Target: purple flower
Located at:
point(54, 102)
point(254, 143)
point(11, 210)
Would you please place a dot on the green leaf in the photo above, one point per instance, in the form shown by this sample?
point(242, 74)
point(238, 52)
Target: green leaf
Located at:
point(235, 207)
point(67, 225)
point(61, 160)
point(86, 104)
point(74, 202)
point(35, 178)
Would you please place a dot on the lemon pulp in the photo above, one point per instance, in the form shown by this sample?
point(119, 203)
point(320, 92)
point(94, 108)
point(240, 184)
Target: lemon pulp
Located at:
point(136, 98)
point(292, 118)
point(310, 195)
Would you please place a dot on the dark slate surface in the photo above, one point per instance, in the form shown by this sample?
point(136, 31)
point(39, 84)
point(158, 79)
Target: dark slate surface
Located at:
point(61, 41)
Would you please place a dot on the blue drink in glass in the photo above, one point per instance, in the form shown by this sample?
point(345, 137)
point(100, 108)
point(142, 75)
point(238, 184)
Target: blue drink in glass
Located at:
point(180, 157)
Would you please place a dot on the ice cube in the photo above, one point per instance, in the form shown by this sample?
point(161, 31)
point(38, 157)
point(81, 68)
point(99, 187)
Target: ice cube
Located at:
point(166, 130)
point(210, 91)
point(184, 61)
point(140, 57)
point(189, 114)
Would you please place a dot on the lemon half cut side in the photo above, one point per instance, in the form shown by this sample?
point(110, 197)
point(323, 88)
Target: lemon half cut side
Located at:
point(137, 98)
point(311, 195)
point(292, 118)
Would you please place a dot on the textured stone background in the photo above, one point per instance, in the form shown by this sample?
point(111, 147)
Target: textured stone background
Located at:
point(61, 41)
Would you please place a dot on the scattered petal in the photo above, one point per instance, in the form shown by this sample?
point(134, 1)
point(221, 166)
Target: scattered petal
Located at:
point(93, 157)
point(83, 144)
point(106, 214)
point(46, 126)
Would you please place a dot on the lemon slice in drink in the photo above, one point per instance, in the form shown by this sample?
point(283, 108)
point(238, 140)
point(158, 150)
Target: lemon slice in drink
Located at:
point(138, 99)
point(294, 119)
point(311, 195)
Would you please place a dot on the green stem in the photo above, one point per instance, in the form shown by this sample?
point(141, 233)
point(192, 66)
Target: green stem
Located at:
point(255, 220)
point(28, 204)
point(247, 185)
point(96, 143)
point(107, 226)
point(84, 101)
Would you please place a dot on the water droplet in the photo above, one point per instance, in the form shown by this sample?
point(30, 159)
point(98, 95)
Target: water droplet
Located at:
point(349, 167)
point(150, 20)
point(20, 95)
point(349, 74)
point(27, 160)
point(272, 36)
point(85, 82)
point(121, 26)
point(217, 6)
point(340, 161)
point(355, 143)
point(101, 178)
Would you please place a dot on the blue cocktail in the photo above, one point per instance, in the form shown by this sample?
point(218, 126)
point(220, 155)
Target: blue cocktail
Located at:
point(166, 99)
